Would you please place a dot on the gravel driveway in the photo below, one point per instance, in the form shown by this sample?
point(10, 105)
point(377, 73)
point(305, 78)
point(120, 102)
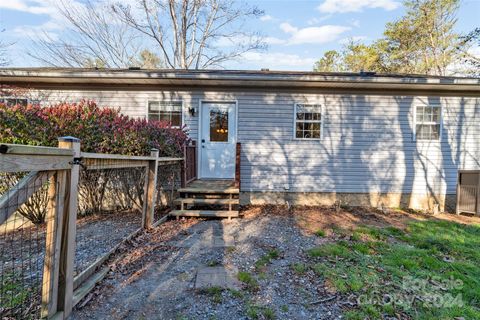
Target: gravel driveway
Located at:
point(155, 279)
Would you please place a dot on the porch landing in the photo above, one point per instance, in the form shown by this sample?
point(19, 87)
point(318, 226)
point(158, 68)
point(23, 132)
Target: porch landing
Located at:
point(208, 198)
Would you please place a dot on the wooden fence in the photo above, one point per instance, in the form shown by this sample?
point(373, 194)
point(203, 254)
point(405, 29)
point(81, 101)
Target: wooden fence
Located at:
point(59, 167)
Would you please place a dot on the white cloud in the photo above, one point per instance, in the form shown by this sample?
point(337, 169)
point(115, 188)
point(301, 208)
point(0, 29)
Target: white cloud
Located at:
point(273, 40)
point(288, 28)
point(342, 6)
point(266, 17)
point(277, 60)
point(32, 6)
point(41, 30)
point(314, 21)
point(312, 35)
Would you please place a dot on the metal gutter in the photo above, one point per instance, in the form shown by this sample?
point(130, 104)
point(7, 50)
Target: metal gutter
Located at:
point(237, 79)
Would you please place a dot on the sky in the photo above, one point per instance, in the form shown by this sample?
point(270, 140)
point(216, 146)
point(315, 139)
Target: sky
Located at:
point(297, 32)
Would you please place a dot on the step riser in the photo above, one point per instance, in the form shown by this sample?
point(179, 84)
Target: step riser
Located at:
point(205, 191)
point(208, 196)
point(204, 213)
point(207, 201)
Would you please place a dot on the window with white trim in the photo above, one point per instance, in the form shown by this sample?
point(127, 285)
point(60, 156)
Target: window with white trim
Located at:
point(170, 111)
point(308, 121)
point(11, 101)
point(428, 122)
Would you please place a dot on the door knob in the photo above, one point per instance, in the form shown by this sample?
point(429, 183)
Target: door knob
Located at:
point(203, 140)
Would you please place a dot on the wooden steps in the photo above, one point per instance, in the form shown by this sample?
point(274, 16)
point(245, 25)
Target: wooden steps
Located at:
point(205, 213)
point(207, 201)
point(208, 198)
point(229, 190)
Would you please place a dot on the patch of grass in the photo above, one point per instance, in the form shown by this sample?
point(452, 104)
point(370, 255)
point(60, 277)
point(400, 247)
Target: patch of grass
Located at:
point(299, 268)
point(213, 263)
point(248, 280)
point(259, 312)
point(266, 259)
point(392, 231)
point(268, 313)
point(356, 236)
point(17, 293)
point(369, 233)
point(362, 247)
point(262, 275)
point(339, 231)
point(330, 250)
point(320, 233)
point(430, 259)
point(284, 308)
point(215, 293)
point(236, 294)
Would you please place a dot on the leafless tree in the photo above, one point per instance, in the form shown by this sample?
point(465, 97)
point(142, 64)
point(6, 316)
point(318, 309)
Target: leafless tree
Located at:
point(4, 60)
point(193, 34)
point(94, 37)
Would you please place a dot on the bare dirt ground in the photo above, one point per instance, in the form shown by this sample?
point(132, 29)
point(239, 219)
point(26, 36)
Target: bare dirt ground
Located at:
point(154, 277)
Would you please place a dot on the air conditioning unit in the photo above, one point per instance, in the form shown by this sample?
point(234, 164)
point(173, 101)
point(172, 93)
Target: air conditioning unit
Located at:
point(468, 191)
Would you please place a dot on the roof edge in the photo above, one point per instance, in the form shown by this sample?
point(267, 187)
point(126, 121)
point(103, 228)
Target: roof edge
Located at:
point(233, 78)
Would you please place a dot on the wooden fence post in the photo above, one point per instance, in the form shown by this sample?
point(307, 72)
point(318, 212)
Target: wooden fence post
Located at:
point(67, 253)
point(54, 219)
point(150, 191)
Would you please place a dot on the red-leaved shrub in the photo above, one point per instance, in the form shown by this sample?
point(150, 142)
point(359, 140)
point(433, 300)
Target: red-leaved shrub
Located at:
point(101, 129)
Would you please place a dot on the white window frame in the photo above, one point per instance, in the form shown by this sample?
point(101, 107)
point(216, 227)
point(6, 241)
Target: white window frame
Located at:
point(322, 120)
point(440, 133)
point(29, 101)
point(182, 113)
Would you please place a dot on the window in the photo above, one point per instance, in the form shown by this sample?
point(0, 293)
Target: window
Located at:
point(308, 121)
point(428, 120)
point(170, 111)
point(14, 101)
point(218, 124)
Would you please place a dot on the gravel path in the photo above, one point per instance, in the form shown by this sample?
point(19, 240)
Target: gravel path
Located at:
point(155, 279)
point(98, 234)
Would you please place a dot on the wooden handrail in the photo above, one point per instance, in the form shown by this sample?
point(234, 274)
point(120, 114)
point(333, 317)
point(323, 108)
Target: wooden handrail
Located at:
point(238, 151)
point(189, 168)
point(7, 148)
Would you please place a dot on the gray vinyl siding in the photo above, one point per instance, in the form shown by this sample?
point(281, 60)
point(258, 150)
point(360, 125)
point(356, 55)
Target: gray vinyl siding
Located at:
point(367, 143)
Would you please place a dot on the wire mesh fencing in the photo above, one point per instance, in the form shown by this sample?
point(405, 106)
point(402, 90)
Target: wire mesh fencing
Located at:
point(55, 199)
point(168, 183)
point(25, 205)
point(110, 197)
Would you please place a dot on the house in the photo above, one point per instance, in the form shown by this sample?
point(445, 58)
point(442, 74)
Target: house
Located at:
point(306, 138)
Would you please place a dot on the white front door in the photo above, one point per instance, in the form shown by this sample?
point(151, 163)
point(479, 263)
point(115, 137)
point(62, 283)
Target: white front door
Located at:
point(218, 137)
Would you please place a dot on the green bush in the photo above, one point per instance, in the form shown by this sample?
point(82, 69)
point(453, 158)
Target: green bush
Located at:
point(101, 130)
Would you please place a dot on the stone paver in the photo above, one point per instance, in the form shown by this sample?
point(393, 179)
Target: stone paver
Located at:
point(206, 240)
point(216, 277)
